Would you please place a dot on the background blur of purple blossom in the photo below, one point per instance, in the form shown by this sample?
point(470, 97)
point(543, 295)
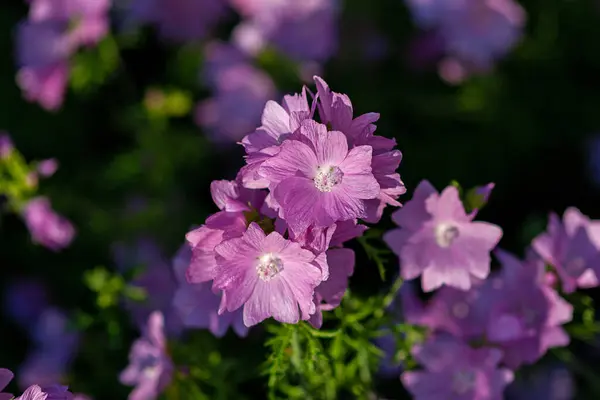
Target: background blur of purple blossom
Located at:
point(128, 109)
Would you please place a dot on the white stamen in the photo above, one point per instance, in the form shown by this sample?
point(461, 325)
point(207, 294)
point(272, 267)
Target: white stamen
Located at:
point(327, 177)
point(445, 234)
point(268, 266)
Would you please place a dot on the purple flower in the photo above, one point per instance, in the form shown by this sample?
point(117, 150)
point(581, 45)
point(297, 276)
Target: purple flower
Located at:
point(55, 347)
point(571, 249)
point(46, 227)
point(240, 93)
point(267, 274)
point(525, 317)
point(553, 382)
point(455, 370)
point(318, 180)
point(388, 367)
point(54, 31)
point(234, 201)
point(304, 31)
point(53, 392)
point(47, 168)
point(439, 240)
point(514, 309)
point(156, 279)
point(150, 368)
point(6, 145)
point(5, 377)
point(278, 122)
point(329, 294)
point(336, 110)
point(25, 300)
point(198, 305)
point(475, 32)
point(180, 20)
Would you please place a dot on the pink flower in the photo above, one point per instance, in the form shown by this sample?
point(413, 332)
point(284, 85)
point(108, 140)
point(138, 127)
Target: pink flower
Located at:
point(329, 294)
point(150, 368)
point(305, 31)
point(526, 317)
point(572, 247)
point(46, 227)
point(455, 370)
point(198, 305)
point(234, 201)
point(267, 274)
point(54, 31)
point(5, 377)
point(278, 122)
point(336, 110)
point(439, 241)
point(318, 180)
point(54, 392)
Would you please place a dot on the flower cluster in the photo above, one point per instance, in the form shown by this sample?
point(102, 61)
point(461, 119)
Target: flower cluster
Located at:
point(471, 33)
point(483, 326)
point(54, 30)
point(276, 245)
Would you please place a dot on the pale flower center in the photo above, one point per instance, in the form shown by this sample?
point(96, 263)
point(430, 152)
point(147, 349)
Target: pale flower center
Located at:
point(445, 234)
point(150, 366)
point(463, 381)
point(268, 266)
point(327, 177)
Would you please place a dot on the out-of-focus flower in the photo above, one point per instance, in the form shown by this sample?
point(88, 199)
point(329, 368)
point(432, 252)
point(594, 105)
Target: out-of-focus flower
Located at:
point(198, 305)
point(388, 367)
point(179, 20)
point(53, 392)
point(6, 145)
point(150, 368)
point(47, 227)
point(47, 168)
point(453, 369)
point(267, 274)
point(80, 396)
point(475, 33)
point(156, 279)
point(52, 33)
point(514, 309)
point(240, 92)
point(439, 240)
point(25, 301)
point(5, 378)
point(303, 30)
point(54, 348)
point(552, 382)
point(572, 247)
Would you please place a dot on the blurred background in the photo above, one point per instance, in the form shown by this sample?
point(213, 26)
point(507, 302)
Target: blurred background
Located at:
point(151, 106)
